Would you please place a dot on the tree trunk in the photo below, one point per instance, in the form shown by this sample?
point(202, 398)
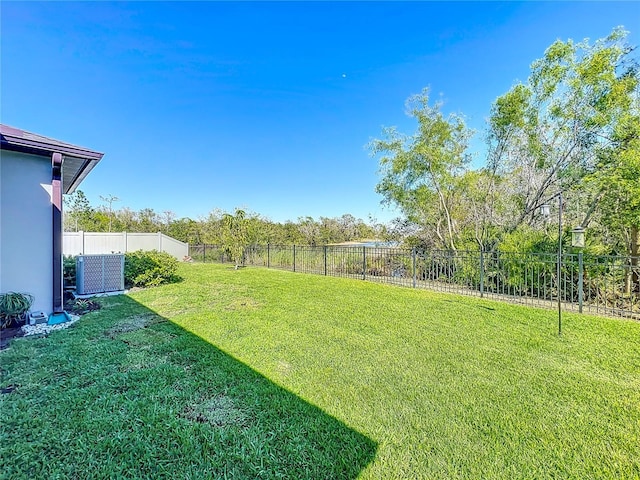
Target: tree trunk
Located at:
point(592, 208)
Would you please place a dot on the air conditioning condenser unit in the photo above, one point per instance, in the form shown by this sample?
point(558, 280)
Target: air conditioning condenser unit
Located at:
point(99, 274)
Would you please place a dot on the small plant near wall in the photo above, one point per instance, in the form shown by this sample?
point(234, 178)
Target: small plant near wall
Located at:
point(81, 306)
point(13, 308)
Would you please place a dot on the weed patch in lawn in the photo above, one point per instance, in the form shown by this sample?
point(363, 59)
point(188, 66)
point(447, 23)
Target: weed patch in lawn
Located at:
point(220, 411)
point(133, 323)
point(242, 304)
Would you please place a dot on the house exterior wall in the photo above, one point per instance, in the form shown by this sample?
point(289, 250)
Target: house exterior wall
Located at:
point(26, 242)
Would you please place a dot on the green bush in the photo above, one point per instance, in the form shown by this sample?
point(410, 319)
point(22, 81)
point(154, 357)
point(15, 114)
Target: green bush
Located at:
point(149, 269)
point(69, 270)
point(13, 308)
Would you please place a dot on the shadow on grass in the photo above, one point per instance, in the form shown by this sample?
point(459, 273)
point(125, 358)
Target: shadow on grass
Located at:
point(126, 393)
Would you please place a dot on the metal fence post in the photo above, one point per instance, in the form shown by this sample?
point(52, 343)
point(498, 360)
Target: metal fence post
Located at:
point(325, 260)
point(559, 265)
point(482, 273)
point(294, 258)
point(580, 282)
point(268, 256)
point(364, 262)
point(413, 266)
point(204, 253)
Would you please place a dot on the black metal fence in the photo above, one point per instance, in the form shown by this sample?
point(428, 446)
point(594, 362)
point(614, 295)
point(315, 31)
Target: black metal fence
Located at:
point(608, 285)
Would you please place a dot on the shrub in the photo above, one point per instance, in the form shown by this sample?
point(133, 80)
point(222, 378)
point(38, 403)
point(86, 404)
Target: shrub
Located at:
point(149, 269)
point(13, 308)
point(69, 270)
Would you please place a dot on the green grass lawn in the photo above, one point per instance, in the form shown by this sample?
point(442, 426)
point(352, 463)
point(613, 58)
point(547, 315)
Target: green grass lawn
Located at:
point(259, 373)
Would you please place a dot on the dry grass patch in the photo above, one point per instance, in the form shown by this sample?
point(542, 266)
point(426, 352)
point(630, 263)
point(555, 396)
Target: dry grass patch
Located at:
point(133, 323)
point(220, 411)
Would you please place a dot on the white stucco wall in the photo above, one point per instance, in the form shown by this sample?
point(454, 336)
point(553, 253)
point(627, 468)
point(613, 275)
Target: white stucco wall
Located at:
point(26, 249)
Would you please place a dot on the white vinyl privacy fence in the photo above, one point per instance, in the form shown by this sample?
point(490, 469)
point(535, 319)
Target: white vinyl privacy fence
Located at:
point(88, 243)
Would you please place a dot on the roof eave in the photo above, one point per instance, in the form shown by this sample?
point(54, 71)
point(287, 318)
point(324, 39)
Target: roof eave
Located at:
point(33, 146)
point(17, 140)
point(87, 166)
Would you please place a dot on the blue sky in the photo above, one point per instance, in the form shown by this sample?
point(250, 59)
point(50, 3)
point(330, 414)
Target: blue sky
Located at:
point(264, 106)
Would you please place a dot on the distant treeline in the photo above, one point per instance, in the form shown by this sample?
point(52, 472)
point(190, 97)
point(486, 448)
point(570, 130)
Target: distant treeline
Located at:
point(258, 230)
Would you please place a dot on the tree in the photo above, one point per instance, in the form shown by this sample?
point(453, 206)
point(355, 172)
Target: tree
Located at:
point(421, 172)
point(186, 230)
point(310, 230)
point(168, 217)
point(78, 211)
point(109, 199)
point(617, 181)
point(545, 135)
point(483, 213)
point(235, 235)
point(149, 221)
point(348, 227)
point(127, 220)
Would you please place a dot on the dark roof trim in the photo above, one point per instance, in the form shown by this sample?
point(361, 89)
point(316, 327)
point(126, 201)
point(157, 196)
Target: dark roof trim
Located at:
point(22, 141)
point(82, 159)
point(84, 170)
